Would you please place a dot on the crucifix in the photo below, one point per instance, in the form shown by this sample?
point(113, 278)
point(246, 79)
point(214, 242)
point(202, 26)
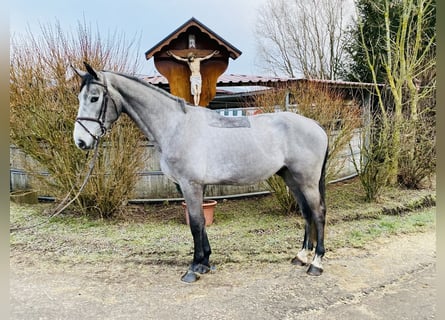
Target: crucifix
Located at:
point(194, 64)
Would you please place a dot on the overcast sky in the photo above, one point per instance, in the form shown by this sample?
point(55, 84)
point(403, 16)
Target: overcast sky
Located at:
point(233, 20)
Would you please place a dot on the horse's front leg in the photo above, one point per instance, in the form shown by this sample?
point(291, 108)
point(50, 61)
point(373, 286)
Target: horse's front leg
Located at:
point(193, 195)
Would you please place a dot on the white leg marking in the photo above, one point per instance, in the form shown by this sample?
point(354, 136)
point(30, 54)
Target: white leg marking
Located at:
point(316, 262)
point(302, 255)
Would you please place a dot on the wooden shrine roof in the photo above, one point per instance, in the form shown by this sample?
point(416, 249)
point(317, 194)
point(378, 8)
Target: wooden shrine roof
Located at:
point(193, 22)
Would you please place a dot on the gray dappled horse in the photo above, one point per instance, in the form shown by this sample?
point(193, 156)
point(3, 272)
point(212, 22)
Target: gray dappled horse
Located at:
point(199, 147)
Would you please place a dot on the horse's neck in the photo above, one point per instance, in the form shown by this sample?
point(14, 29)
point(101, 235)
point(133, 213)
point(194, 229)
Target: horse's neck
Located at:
point(157, 114)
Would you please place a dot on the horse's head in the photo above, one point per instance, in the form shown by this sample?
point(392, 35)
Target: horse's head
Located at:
point(97, 109)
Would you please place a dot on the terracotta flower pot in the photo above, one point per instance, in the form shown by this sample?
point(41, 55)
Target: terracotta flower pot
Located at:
point(209, 209)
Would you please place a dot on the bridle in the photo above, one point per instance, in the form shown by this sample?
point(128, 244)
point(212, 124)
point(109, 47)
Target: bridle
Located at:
point(102, 114)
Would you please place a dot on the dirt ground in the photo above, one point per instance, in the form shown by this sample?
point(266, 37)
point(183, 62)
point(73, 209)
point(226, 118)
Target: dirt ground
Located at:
point(393, 278)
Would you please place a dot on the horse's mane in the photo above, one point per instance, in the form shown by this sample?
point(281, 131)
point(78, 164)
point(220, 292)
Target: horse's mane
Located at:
point(149, 85)
point(144, 83)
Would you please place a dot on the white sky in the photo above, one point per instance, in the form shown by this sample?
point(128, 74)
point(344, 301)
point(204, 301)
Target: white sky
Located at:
point(153, 20)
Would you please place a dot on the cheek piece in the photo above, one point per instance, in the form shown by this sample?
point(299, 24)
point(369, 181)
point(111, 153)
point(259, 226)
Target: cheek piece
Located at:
point(102, 114)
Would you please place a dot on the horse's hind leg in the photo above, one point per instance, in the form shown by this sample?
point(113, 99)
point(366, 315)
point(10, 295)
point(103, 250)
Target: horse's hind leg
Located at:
point(302, 258)
point(311, 202)
point(193, 195)
point(316, 206)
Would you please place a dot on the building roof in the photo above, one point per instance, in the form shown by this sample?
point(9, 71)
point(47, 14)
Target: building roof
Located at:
point(341, 83)
point(226, 80)
point(193, 22)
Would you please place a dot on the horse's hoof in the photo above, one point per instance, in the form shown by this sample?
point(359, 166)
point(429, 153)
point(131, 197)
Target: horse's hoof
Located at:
point(314, 271)
point(190, 277)
point(201, 268)
point(297, 261)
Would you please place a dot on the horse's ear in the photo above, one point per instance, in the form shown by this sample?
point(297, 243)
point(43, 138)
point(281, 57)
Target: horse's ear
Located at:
point(80, 73)
point(91, 70)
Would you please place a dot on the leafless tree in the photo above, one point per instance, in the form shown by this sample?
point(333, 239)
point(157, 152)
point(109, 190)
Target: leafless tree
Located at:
point(302, 37)
point(409, 61)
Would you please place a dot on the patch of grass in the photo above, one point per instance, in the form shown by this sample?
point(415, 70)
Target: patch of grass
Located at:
point(346, 201)
point(360, 232)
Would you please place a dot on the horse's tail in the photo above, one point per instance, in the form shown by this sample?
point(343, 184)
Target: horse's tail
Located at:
point(322, 182)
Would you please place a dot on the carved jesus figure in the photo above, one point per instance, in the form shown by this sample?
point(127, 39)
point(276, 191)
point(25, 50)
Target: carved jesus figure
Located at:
point(194, 64)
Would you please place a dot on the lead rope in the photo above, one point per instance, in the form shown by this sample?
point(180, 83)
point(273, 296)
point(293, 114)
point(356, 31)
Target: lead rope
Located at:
point(64, 204)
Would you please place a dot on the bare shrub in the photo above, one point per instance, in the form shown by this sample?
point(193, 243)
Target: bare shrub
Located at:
point(282, 194)
point(43, 102)
point(338, 117)
point(417, 160)
point(373, 165)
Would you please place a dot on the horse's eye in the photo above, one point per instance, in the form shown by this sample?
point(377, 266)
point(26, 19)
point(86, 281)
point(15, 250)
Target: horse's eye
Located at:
point(94, 99)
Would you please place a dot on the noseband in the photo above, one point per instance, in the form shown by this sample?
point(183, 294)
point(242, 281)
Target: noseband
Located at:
point(102, 114)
